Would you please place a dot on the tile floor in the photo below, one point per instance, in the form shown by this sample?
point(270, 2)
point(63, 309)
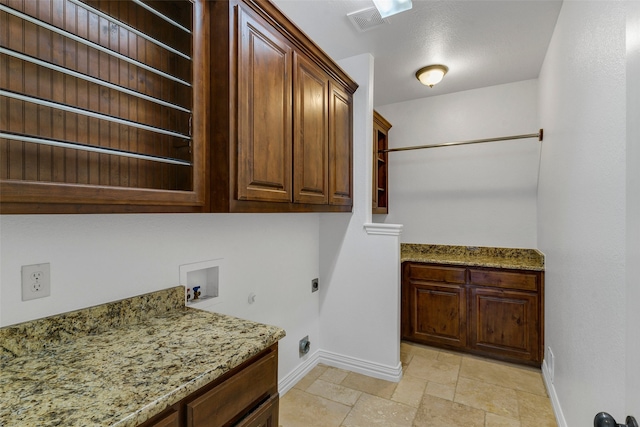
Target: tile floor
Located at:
point(438, 389)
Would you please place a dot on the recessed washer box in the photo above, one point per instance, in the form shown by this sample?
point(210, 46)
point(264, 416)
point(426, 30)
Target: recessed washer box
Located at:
point(206, 276)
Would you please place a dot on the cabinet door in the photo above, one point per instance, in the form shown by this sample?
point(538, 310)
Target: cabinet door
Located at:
point(437, 313)
point(311, 139)
point(340, 146)
point(264, 112)
point(505, 323)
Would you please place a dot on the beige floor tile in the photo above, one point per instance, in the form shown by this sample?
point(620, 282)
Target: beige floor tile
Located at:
point(376, 411)
point(435, 370)
point(535, 410)
point(301, 409)
point(443, 391)
point(488, 397)
point(450, 357)
point(334, 392)
point(311, 376)
point(493, 420)
point(374, 386)
point(506, 375)
point(421, 350)
point(334, 375)
point(405, 358)
point(409, 391)
point(438, 412)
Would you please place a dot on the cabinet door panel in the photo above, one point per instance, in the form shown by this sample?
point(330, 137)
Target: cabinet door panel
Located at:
point(340, 146)
point(439, 314)
point(264, 112)
point(505, 323)
point(311, 139)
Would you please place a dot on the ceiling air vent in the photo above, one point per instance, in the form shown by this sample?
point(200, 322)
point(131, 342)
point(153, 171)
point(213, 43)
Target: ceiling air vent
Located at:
point(366, 19)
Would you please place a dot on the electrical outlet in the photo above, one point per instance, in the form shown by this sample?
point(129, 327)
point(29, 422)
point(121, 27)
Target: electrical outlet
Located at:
point(36, 281)
point(314, 285)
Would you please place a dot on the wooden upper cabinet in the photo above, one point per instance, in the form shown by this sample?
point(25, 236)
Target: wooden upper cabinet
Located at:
point(103, 121)
point(380, 164)
point(340, 146)
point(281, 116)
point(264, 112)
point(311, 132)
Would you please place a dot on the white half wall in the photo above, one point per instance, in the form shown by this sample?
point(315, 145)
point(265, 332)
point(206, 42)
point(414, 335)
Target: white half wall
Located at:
point(359, 272)
point(581, 209)
point(101, 258)
point(633, 208)
point(481, 194)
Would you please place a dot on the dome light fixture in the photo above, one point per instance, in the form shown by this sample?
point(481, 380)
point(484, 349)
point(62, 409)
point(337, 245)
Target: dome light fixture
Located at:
point(431, 74)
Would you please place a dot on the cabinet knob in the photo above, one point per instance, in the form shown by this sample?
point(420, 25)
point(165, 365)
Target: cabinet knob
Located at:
point(603, 419)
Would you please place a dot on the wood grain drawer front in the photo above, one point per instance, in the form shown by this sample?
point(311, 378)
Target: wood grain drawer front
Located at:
point(265, 416)
point(235, 396)
point(527, 281)
point(170, 420)
point(437, 274)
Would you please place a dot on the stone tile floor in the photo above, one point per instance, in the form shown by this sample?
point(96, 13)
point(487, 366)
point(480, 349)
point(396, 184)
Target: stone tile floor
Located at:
point(438, 389)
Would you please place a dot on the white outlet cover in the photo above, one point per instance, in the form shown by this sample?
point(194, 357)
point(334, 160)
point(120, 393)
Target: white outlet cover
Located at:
point(36, 281)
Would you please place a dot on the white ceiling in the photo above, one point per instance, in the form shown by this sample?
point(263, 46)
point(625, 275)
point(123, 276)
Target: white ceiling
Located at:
point(484, 43)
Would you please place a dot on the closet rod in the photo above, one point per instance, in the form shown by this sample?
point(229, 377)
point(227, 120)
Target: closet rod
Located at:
point(473, 141)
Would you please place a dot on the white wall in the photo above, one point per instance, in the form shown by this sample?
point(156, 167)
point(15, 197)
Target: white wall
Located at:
point(482, 194)
point(100, 258)
point(633, 208)
point(359, 273)
point(581, 209)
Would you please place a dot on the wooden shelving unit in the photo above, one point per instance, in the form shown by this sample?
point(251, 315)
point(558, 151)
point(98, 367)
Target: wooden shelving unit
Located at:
point(380, 177)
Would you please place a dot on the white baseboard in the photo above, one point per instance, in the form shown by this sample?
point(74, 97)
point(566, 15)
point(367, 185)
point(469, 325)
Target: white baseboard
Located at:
point(551, 390)
point(335, 360)
point(285, 384)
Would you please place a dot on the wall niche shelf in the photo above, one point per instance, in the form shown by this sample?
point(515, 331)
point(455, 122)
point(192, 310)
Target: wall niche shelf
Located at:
point(205, 276)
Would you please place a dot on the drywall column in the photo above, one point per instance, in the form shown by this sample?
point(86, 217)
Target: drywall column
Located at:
point(633, 209)
point(581, 210)
point(359, 272)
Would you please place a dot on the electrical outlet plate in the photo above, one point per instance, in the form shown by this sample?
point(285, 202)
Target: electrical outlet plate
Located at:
point(36, 281)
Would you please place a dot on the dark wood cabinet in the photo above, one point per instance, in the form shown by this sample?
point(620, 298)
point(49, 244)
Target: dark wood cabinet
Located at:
point(380, 167)
point(247, 396)
point(96, 123)
point(281, 116)
point(264, 111)
point(493, 312)
point(311, 132)
point(340, 147)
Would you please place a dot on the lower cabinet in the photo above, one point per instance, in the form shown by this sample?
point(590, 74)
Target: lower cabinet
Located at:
point(247, 396)
point(492, 312)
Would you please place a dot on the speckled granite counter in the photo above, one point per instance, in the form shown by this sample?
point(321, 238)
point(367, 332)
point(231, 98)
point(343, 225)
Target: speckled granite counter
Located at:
point(521, 259)
point(120, 363)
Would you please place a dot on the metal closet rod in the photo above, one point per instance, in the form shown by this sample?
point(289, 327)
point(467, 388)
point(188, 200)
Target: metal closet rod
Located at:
point(538, 135)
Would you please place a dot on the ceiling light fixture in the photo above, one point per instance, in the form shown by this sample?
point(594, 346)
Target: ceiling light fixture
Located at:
point(432, 74)
point(391, 7)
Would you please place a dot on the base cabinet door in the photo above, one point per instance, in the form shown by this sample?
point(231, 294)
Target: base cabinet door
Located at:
point(439, 314)
point(504, 322)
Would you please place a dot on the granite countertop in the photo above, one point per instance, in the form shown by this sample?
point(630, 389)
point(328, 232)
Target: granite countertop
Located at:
point(121, 363)
point(476, 256)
